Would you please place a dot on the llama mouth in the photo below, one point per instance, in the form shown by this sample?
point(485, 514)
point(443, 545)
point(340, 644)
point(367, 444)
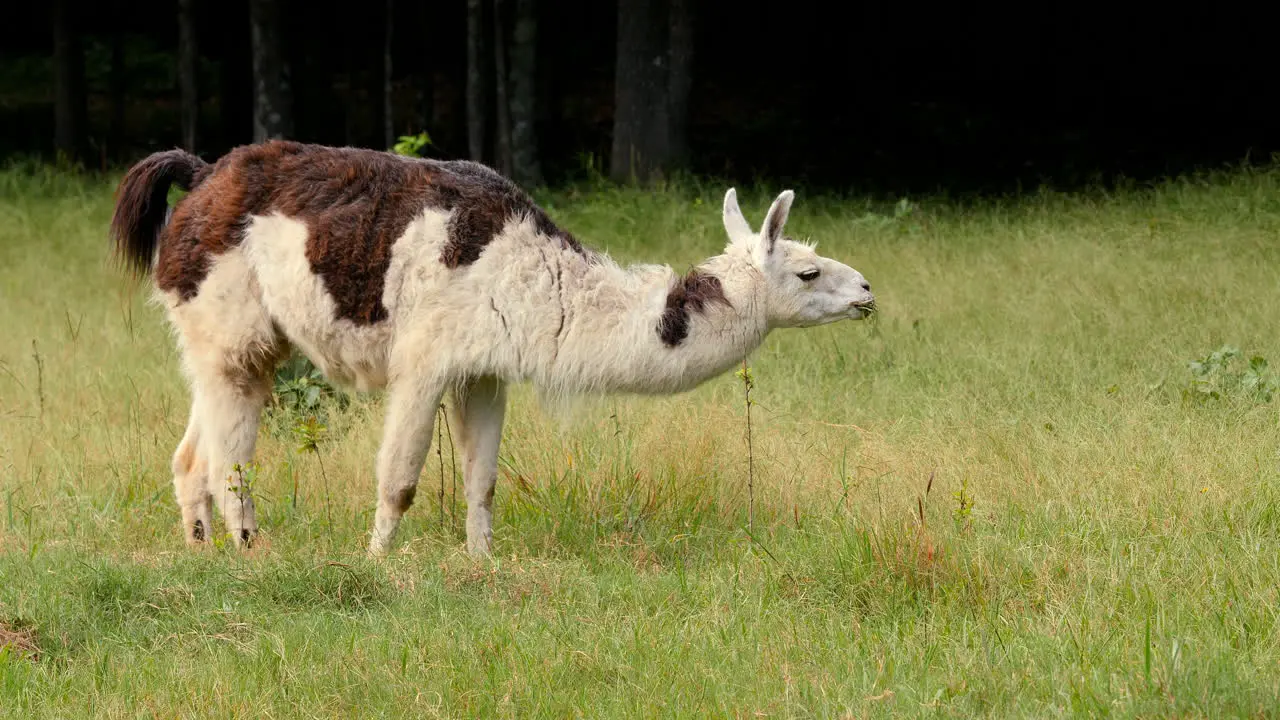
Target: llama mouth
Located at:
point(864, 309)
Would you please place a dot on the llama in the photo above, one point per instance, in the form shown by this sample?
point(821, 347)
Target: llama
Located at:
point(426, 277)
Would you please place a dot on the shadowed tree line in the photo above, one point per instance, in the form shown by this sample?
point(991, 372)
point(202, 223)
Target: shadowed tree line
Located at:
point(854, 96)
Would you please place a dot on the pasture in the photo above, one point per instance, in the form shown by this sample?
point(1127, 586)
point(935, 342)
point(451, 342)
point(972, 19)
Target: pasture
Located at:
point(1009, 494)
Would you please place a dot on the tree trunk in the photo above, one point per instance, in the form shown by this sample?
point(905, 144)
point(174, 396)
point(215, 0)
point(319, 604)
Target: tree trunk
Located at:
point(475, 81)
point(503, 135)
point(350, 102)
point(680, 82)
point(187, 54)
point(272, 98)
point(640, 125)
point(117, 85)
point(388, 116)
point(70, 103)
point(526, 169)
point(426, 104)
point(235, 85)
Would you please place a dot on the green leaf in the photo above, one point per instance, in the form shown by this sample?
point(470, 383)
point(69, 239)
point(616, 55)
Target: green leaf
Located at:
point(412, 145)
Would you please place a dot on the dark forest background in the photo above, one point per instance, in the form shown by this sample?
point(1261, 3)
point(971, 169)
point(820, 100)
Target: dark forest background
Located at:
point(870, 97)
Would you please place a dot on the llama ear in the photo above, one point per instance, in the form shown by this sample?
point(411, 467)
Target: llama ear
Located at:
point(775, 221)
point(734, 223)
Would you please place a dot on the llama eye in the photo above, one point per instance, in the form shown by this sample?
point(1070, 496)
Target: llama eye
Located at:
point(808, 275)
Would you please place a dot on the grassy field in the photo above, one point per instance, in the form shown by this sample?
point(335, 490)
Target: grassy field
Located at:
point(1010, 495)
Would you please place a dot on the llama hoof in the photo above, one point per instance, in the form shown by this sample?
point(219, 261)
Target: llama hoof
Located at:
point(245, 537)
point(197, 534)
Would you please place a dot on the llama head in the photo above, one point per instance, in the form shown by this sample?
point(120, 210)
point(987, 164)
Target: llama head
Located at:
point(802, 288)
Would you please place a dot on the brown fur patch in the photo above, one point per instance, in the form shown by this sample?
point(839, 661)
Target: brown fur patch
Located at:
point(403, 498)
point(356, 204)
point(691, 293)
point(486, 201)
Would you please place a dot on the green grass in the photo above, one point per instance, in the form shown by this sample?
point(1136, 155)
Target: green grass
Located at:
point(1095, 541)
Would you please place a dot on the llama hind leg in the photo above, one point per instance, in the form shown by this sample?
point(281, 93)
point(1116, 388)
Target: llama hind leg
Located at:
point(480, 410)
point(230, 344)
point(230, 412)
point(190, 470)
point(406, 437)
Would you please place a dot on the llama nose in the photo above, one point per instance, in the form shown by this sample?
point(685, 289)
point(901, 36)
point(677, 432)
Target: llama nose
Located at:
point(866, 286)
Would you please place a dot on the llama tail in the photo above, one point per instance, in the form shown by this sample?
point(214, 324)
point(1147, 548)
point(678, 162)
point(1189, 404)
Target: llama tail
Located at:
point(142, 203)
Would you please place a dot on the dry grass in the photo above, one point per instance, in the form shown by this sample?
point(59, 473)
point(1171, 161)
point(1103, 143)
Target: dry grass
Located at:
point(19, 640)
point(1091, 543)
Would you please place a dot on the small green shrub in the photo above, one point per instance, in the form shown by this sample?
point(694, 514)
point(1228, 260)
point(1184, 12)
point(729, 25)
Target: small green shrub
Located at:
point(300, 390)
point(1224, 373)
point(412, 145)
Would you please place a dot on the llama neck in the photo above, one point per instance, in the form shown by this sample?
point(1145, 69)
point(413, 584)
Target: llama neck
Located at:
point(615, 340)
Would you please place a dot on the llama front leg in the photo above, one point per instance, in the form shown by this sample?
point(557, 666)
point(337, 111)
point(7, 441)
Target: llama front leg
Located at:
point(406, 437)
point(480, 408)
